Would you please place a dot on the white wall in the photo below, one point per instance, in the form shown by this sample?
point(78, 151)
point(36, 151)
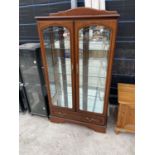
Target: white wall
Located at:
point(96, 4)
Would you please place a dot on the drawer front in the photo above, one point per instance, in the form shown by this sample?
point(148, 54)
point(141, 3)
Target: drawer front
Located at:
point(79, 117)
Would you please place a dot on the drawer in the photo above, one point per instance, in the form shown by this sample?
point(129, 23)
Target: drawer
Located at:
point(79, 117)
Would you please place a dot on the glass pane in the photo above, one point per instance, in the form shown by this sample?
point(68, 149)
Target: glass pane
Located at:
point(35, 98)
point(58, 55)
point(94, 43)
point(29, 68)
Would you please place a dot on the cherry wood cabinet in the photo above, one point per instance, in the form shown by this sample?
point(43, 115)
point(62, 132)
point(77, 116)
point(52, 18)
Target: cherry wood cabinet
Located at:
point(77, 51)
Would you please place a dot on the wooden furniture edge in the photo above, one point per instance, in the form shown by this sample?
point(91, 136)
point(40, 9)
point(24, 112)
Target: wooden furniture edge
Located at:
point(126, 84)
point(118, 130)
point(80, 12)
point(95, 127)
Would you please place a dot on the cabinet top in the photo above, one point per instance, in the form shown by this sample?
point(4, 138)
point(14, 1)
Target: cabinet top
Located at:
point(126, 93)
point(29, 46)
point(79, 13)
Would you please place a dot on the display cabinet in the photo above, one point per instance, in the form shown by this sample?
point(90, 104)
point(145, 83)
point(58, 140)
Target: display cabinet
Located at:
point(23, 102)
point(77, 51)
point(33, 80)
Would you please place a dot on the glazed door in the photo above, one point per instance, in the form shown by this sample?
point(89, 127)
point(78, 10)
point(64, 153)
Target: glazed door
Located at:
point(57, 52)
point(95, 42)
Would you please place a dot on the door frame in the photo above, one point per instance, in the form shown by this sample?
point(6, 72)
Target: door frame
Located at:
point(42, 25)
point(109, 23)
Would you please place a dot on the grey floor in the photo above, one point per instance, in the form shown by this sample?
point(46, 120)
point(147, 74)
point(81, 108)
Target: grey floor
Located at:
point(38, 136)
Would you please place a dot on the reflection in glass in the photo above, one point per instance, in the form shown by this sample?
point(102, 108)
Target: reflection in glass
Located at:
point(94, 43)
point(58, 55)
